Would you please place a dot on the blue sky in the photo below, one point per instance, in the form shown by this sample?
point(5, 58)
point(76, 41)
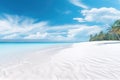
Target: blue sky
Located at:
point(56, 20)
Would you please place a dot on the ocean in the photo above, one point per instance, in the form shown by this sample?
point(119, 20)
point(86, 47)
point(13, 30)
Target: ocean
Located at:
point(10, 51)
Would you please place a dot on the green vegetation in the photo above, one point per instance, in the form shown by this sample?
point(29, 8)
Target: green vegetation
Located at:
point(112, 34)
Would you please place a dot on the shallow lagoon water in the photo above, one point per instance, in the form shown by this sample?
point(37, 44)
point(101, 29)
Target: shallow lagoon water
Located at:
point(17, 50)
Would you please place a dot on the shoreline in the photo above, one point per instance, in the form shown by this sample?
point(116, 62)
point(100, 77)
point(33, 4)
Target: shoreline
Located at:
point(87, 60)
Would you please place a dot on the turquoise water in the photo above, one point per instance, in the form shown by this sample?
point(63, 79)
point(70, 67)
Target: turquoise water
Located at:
point(9, 50)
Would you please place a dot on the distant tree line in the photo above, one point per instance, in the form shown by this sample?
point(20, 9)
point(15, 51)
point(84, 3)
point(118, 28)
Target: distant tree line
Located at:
point(113, 33)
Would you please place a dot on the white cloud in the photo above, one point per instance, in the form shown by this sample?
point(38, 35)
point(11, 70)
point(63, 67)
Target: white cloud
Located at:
point(79, 4)
point(79, 19)
point(12, 36)
point(15, 27)
point(37, 35)
point(83, 31)
point(100, 15)
point(16, 24)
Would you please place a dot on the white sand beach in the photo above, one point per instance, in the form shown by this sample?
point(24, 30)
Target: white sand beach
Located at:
point(99, 60)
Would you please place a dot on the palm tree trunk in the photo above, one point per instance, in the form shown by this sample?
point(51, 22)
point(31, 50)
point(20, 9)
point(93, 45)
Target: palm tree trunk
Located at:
point(118, 36)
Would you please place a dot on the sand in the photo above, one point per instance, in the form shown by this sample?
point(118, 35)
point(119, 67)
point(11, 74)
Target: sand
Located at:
point(98, 60)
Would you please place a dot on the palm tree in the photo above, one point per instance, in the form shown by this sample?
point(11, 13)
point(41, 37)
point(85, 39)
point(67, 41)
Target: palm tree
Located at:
point(115, 29)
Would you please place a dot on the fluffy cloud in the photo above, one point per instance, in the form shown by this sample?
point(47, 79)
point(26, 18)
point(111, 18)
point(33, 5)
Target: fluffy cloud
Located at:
point(10, 36)
point(83, 31)
point(16, 24)
point(66, 33)
point(99, 15)
point(37, 35)
point(79, 19)
point(16, 27)
point(79, 4)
